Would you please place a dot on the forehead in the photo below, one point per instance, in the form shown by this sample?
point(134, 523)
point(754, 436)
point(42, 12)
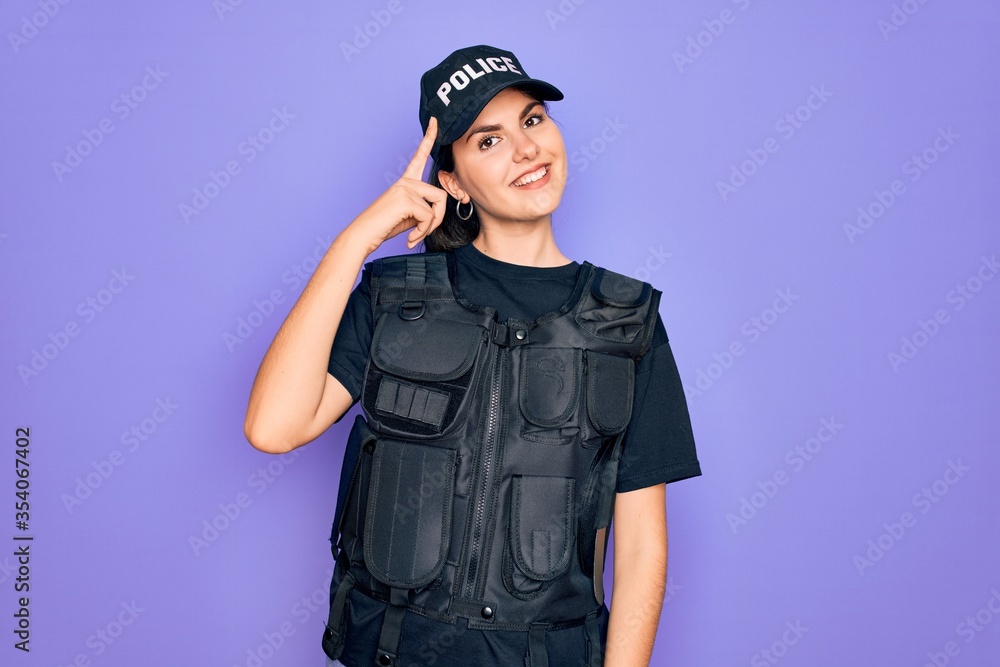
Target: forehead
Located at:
point(508, 102)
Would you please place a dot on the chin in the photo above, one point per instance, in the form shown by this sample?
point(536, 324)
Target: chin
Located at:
point(546, 200)
point(544, 204)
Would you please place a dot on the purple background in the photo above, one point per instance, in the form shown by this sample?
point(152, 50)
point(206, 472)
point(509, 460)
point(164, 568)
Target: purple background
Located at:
point(650, 136)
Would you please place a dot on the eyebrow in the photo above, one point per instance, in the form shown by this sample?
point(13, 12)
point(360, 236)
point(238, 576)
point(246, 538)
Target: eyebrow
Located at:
point(494, 128)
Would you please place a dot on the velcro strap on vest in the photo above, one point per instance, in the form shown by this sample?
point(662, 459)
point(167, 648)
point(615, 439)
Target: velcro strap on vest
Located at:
point(416, 277)
point(333, 636)
point(537, 655)
point(412, 402)
point(412, 279)
point(392, 626)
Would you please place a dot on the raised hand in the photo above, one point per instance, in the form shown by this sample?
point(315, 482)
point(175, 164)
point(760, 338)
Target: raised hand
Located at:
point(409, 203)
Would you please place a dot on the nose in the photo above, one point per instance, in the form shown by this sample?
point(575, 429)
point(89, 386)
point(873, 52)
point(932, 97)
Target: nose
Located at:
point(525, 148)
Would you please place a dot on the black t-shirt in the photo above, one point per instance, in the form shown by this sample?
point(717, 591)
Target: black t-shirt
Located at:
point(659, 442)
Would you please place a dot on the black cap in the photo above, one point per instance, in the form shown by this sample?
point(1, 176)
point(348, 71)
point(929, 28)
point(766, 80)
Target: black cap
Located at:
point(456, 90)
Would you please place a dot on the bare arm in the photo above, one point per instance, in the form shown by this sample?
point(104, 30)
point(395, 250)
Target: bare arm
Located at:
point(640, 575)
point(294, 399)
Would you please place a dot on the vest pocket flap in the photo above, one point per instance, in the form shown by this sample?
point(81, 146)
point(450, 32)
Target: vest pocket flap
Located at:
point(408, 522)
point(610, 386)
point(541, 524)
point(615, 289)
point(426, 348)
point(549, 384)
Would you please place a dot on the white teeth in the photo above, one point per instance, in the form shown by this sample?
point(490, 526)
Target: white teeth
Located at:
point(532, 177)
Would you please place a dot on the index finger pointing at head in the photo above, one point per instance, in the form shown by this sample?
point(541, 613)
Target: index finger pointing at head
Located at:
point(415, 169)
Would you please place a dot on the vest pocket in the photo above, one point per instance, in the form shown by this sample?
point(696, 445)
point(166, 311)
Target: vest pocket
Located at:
point(621, 311)
point(540, 532)
point(549, 393)
point(408, 521)
point(419, 372)
point(610, 386)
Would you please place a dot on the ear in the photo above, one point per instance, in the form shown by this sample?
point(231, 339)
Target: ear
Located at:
point(450, 185)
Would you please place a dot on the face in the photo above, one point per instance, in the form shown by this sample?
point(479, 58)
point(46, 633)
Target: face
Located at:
point(512, 141)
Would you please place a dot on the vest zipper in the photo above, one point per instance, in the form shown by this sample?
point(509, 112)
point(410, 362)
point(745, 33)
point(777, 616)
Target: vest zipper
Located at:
point(490, 448)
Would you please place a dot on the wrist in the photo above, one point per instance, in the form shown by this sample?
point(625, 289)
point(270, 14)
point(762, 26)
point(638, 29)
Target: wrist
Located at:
point(356, 243)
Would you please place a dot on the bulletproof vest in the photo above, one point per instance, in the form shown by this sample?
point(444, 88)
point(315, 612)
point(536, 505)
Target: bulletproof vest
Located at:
point(480, 481)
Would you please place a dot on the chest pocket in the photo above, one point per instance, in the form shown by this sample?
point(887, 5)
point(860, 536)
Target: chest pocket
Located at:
point(419, 373)
point(610, 389)
point(549, 393)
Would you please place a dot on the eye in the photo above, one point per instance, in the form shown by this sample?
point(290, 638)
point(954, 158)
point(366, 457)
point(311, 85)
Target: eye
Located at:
point(539, 116)
point(483, 141)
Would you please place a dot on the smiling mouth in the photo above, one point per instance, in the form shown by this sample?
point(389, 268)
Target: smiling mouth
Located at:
point(532, 177)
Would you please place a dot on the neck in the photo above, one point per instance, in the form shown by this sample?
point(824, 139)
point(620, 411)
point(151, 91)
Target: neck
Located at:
point(524, 244)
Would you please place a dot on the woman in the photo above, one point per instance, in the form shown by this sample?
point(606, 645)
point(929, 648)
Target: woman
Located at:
point(514, 399)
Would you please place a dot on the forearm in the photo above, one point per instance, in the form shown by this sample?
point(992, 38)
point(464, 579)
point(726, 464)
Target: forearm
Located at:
point(636, 602)
point(289, 385)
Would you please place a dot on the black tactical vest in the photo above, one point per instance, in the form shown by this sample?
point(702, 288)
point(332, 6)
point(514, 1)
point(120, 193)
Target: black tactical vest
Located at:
point(483, 478)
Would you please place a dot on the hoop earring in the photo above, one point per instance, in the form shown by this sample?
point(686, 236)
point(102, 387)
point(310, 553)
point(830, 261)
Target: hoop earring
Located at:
point(458, 210)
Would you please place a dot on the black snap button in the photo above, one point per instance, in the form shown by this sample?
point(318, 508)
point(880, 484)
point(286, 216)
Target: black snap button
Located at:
point(520, 334)
point(487, 612)
point(383, 659)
